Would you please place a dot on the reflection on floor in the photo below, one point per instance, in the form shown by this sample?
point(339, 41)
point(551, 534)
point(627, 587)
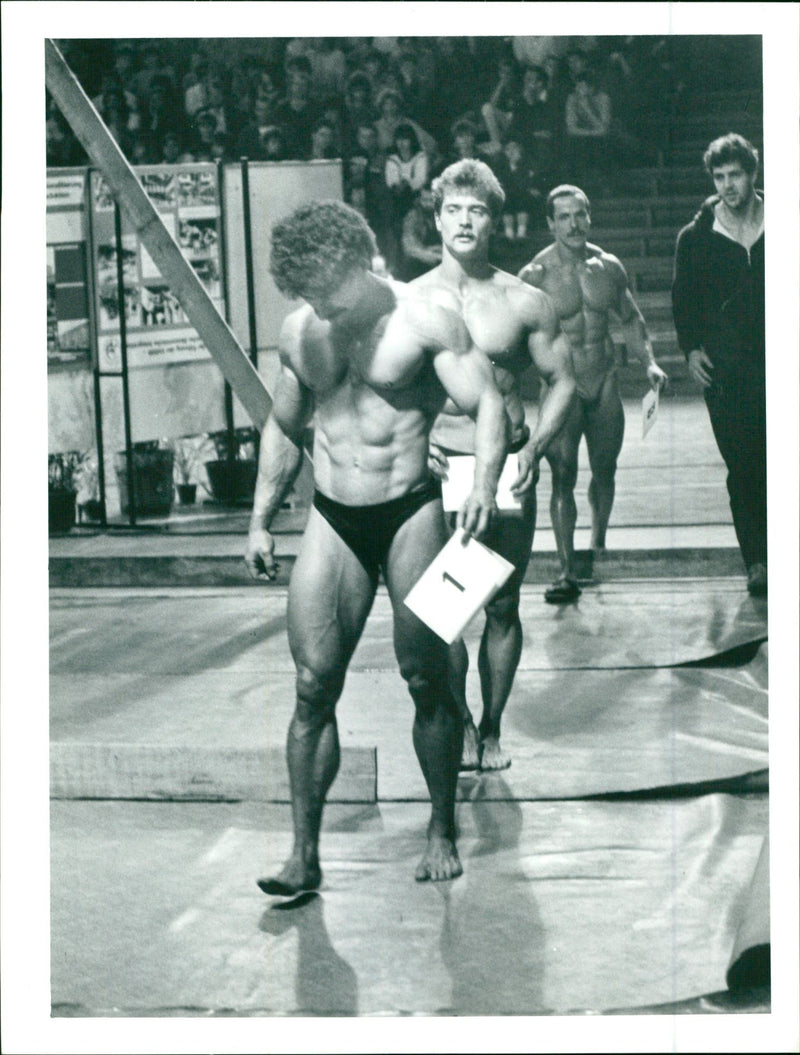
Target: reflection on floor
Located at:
point(568, 904)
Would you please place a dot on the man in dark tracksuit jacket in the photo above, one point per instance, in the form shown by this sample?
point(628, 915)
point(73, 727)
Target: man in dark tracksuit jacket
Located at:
point(718, 307)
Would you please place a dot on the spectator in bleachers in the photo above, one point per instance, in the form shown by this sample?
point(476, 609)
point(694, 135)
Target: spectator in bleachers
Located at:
point(274, 146)
point(358, 107)
point(152, 67)
point(205, 132)
point(333, 112)
point(392, 114)
point(296, 113)
point(588, 128)
point(418, 92)
point(454, 79)
point(267, 87)
point(111, 84)
point(62, 148)
point(420, 242)
point(424, 54)
point(498, 112)
point(198, 68)
point(323, 140)
point(407, 171)
point(356, 50)
point(211, 99)
point(365, 180)
point(172, 151)
point(463, 144)
point(523, 185)
point(158, 115)
point(328, 68)
point(407, 167)
point(194, 93)
point(117, 118)
point(124, 67)
point(544, 52)
point(535, 120)
point(250, 141)
point(381, 76)
point(142, 150)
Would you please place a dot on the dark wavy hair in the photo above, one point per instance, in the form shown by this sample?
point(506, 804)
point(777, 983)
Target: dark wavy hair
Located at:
point(469, 174)
point(317, 245)
point(728, 150)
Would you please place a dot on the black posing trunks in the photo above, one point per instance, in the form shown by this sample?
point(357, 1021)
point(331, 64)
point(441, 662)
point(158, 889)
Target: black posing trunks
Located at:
point(369, 530)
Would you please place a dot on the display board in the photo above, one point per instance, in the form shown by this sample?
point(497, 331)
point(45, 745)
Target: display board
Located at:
point(157, 329)
point(68, 332)
point(276, 188)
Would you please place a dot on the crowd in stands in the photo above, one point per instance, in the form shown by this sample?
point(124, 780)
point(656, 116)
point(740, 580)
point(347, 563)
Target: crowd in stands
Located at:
point(396, 110)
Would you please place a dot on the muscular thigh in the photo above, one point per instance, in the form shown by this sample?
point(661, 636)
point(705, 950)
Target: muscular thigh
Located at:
point(330, 596)
point(511, 535)
point(414, 546)
point(604, 427)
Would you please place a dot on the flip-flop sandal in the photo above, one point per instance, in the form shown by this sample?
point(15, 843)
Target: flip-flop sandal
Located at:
point(277, 888)
point(561, 591)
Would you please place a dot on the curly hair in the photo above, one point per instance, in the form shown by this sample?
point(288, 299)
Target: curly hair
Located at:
point(317, 245)
point(471, 175)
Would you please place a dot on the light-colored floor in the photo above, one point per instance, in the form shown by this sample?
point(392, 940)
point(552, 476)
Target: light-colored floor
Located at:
point(566, 905)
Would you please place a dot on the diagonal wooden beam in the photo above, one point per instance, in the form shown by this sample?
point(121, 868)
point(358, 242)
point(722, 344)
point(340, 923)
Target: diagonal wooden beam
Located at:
point(201, 311)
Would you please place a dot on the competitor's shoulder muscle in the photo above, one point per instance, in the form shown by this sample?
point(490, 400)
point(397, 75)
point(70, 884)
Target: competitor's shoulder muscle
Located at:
point(534, 272)
point(435, 320)
point(429, 288)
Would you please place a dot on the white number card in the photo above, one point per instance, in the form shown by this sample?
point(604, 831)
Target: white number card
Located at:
point(456, 585)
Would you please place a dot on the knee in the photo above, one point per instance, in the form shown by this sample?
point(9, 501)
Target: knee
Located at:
point(504, 611)
point(317, 694)
point(603, 474)
point(428, 687)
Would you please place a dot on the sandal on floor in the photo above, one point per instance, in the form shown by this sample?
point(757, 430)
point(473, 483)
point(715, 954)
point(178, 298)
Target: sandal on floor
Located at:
point(562, 591)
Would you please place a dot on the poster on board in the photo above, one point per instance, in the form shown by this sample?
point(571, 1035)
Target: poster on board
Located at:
point(157, 328)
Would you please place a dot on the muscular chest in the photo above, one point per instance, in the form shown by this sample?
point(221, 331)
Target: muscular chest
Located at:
point(386, 359)
point(496, 328)
point(575, 290)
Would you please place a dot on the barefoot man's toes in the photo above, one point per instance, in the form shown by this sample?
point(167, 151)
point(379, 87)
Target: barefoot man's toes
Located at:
point(492, 754)
point(469, 752)
point(440, 861)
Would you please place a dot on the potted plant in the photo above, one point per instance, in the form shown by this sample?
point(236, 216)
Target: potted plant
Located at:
point(87, 482)
point(232, 476)
point(190, 453)
point(62, 490)
point(154, 487)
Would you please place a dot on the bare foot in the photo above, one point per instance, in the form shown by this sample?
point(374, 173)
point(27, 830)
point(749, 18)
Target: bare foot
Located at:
point(469, 752)
point(440, 861)
point(296, 877)
point(492, 754)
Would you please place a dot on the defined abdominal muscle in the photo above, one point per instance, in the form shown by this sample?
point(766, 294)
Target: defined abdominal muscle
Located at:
point(363, 465)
